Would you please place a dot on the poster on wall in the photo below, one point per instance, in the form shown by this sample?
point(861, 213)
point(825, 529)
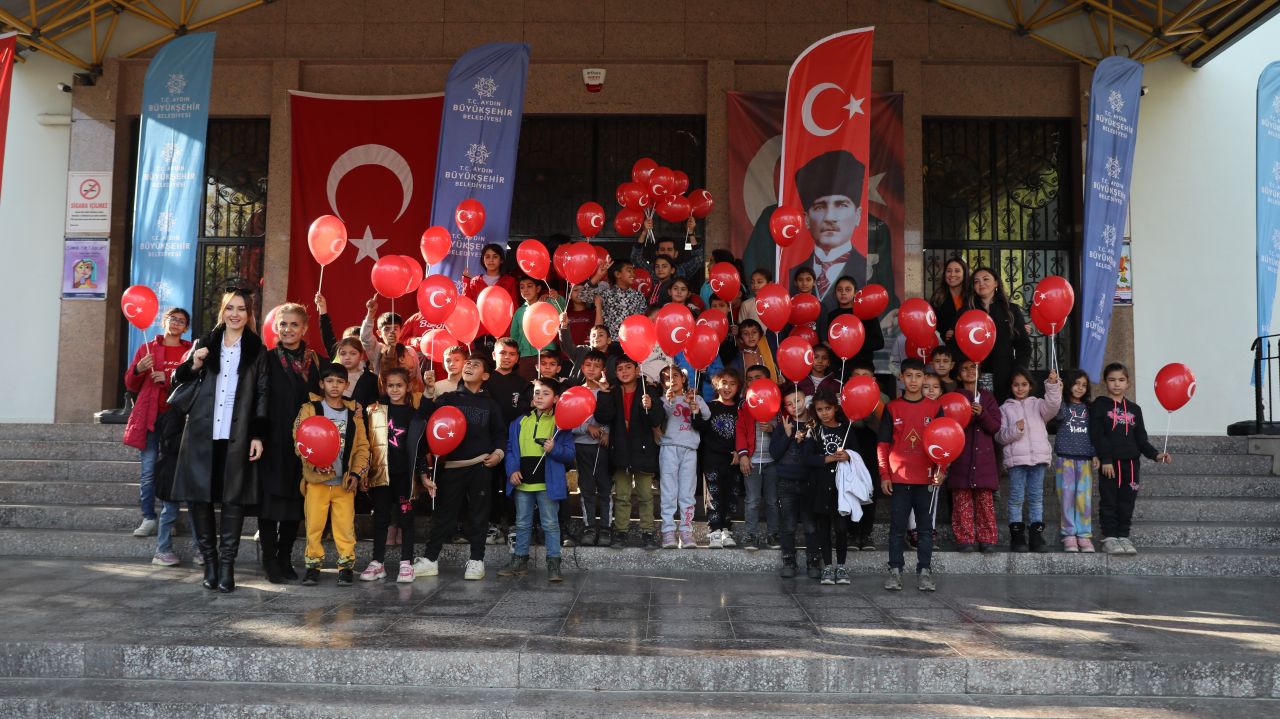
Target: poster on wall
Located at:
point(89, 202)
point(1124, 277)
point(84, 268)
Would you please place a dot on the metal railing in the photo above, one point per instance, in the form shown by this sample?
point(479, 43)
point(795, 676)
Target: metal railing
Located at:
point(1266, 369)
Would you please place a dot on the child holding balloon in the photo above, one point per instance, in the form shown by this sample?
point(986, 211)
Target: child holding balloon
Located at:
point(1074, 464)
point(906, 473)
point(1026, 454)
point(974, 476)
point(832, 444)
point(716, 452)
point(385, 351)
point(788, 446)
point(678, 456)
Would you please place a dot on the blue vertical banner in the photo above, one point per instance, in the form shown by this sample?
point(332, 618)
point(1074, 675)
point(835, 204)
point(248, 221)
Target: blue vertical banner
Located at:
point(479, 136)
point(1113, 125)
point(1268, 208)
point(170, 190)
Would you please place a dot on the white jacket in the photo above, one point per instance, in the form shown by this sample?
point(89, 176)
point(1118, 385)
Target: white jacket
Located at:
point(853, 487)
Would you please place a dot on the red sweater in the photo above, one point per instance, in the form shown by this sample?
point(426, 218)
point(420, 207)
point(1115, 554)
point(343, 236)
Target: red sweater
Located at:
point(901, 451)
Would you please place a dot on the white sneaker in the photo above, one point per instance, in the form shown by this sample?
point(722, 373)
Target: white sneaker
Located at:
point(373, 572)
point(406, 575)
point(1112, 545)
point(424, 567)
point(475, 569)
point(726, 539)
point(1128, 546)
point(715, 540)
point(146, 529)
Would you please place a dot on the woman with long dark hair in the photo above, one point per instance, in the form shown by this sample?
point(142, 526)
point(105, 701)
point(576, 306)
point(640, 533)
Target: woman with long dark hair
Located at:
point(224, 434)
point(951, 298)
point(1012, 346)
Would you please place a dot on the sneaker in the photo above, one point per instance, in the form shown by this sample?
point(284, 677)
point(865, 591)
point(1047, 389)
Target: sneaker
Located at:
point(373, 572)
point(346, 576)
point(474, 570)
point(867, 545)
point(1128, 546)
point(605, 538)
point(199, 559)
point(493, 536)
point(774, 542)
point(406, 575)
point(511, 539)
point(687, 541)
point(312, 577)
point(1069, 544)
point(590, 537)
point(146, 529)
point(166, 559)
point(669, 540)
point(749, 543)
point(648, 541)
point(517, 566)
point(1086, 545)
point(828, 575)
point(423, 567)
point(715, 540)
point(1111, 545)
point(567, 541)
point(842, 574)
point(894, 581)
point(726, 539)
point(924, 581)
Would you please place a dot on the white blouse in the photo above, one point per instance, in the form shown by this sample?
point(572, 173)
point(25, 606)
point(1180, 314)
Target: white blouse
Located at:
point(225, 392)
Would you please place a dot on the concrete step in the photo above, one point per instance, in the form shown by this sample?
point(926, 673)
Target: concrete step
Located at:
point(65, 517)
point(1211, 464)
point(1209, 444)
point(1156, 561)
point(66, 449)
point(1207, 509)
point(66, 470)
point(120, 494)
point(66, 431)
point(1210, 486)
point(131, 698)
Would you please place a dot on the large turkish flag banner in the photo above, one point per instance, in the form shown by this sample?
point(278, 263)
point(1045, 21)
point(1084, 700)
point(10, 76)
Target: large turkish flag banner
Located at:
point(372, 162)
point(825, 153)
point(8, 48)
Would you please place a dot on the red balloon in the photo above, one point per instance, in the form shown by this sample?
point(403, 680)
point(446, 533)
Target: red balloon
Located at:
point(464, 321)
point(558, 257)
point(435, 244)
point(716, 320)
point(674, 324)
point(1175, 385)
point(1051, 304)
point(774, 306)
point(643, 281)
point(943, 440)
point(785, 224)
point(674, 208)
point(763, 399)
point(496, 310)
point(326, 238)
point(269, 336)
point(436, 342)
point(637, 335)
point(681, 182)
point(541, 324)
point(917, 320)
point(533, 259)
point(859, 397)
point(437, 297)
point(602, 255)
point(845, 336)
point(870, 302)
point(957, 407)
point(725, 281)
point(920, 351)
point(575, 406)
point(804, 332)
point(795, 358)
point(391, 276)
point(415, 273)
point(703, 346)
point(590, 219)
point(641, 171)
point(629, 220)
point(140, 306)
point(662, 182)
point(633, 195)
point(975, 334)
point(469, 216)
point(317, 441)
point(702, 203)
point(445, 430)
point(580, 262)
point(805, 308)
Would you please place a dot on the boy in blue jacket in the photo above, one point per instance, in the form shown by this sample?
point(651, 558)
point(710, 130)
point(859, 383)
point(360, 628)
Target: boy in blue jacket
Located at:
point(536, 459)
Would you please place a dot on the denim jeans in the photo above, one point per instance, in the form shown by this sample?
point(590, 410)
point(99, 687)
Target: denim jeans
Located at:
point(792, 514)
point(763, 478)
point(168, 518)
point(147, 480)
point(910, 500)
point(1026, 482)
point(548, 514)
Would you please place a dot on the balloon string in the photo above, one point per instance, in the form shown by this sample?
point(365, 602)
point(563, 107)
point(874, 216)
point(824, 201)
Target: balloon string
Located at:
point(434, 466)
point(321, 285)
point(842, 375)
point(544, 453)
point(1168, 425)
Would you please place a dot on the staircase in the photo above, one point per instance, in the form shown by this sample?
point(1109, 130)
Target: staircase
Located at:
point(72, 491)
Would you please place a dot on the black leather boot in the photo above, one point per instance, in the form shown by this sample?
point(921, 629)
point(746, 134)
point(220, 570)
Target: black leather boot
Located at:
point(1036, 538)
point(284, 551)
point(268, 543)
point(202, 522)
point(1017, 537)
point(229, 545)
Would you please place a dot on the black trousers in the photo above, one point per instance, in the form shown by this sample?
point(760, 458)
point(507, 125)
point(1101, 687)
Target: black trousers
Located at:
point(791, 514)
point(277, 539)
point(595, 484)
point(908, 498)
point(390, 502)
point(823, 525)
point(471, 484)
point(1118, 496)
point(724, 484)
point(865, 525)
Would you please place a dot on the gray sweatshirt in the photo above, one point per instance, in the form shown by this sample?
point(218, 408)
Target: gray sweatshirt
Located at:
point(679, 431)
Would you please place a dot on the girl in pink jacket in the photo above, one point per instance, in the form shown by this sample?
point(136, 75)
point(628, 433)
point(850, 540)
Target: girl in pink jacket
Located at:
point(1026, 454)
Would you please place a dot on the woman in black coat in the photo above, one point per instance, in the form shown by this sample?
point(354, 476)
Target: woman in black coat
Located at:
point(223, 436)
point(1013, 344)
point(951, 299)
point(293, 374)
point(845, 290)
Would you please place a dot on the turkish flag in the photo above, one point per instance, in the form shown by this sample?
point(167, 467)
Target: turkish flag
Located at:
point(372, 162)
point(8, 49)
point(825, 153)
